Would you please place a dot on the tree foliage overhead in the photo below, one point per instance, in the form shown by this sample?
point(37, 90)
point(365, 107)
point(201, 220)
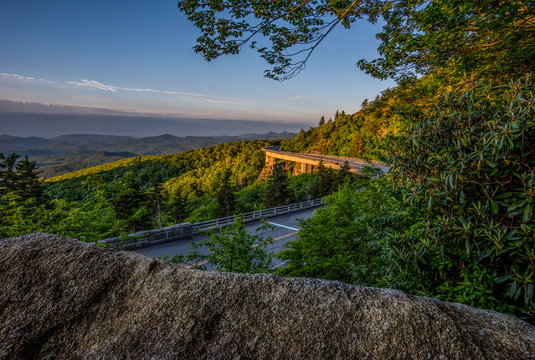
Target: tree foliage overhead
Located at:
point(418, 36)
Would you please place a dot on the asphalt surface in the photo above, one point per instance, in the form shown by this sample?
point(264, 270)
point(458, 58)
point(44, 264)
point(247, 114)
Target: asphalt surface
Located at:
point(285, 230)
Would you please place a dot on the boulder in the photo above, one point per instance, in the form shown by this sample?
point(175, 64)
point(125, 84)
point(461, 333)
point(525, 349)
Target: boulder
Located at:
point(60, 298)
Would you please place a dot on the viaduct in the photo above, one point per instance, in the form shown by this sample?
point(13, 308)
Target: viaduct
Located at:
point(305, 163)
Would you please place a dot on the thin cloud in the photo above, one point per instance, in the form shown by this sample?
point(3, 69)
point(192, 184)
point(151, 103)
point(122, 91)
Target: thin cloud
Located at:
point(94, 84)
point(166, 92)
point(295, 98)
point(22, 77)
point(114, 89)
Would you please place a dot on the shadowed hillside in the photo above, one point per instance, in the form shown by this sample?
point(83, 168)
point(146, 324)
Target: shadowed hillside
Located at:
point(60, 298)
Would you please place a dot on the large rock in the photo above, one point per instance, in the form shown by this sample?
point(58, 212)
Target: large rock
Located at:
point(60, 298)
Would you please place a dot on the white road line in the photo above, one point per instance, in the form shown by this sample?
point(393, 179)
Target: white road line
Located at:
point(283, 226)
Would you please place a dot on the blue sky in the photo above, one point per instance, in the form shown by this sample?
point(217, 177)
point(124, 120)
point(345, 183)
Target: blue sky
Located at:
point(137, 55)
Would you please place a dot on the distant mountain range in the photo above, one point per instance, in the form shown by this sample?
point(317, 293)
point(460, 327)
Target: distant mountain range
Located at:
point(66, 153)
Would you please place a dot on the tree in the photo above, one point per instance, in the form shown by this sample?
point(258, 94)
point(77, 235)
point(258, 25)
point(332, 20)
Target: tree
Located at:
point(156, 199)
point(128, 202)
point(327, 246)
point(278, 192)
point(21, 177)
point(8, 173)
point(225, 197)
point(176, 208)
point(344, 173)
point(322, 120)
point(233, 250)
point(357, 145)
point(418, 36)
point(29, 184)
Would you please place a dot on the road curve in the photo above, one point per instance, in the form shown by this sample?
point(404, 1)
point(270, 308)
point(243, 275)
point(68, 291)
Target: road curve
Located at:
point(285, 230)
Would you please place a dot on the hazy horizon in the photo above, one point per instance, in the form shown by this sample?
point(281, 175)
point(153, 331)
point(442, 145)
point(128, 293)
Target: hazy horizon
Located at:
point(52, 125)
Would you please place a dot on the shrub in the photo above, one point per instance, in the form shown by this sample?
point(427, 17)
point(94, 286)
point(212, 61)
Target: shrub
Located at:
point(471, 162)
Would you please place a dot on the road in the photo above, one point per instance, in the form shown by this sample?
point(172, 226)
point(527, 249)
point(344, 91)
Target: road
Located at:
point(285, 230)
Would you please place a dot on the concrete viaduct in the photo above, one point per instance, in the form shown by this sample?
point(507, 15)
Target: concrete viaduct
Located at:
point(305, 163)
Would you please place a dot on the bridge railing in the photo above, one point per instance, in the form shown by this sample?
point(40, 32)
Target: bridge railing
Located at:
point(180, 231)
point(257, 215)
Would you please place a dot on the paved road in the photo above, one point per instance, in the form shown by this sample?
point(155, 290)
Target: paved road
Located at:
point(286, 228)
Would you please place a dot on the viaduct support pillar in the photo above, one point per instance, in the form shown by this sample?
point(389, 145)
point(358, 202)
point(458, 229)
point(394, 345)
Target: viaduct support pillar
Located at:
point(270, 161)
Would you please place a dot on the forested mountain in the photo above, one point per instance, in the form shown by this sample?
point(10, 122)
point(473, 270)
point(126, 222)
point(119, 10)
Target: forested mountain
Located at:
point(67, 153)
point(147, 192)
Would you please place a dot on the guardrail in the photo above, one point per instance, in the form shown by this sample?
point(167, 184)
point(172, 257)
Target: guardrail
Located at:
point(180, 231)
point(257, 215)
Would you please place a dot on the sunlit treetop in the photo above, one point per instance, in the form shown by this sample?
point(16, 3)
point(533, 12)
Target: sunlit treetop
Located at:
point(418, 36)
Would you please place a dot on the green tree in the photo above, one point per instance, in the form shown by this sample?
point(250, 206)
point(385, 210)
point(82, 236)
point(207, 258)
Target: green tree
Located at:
point(344, 173)
point(357, 145)
point(233, 250)
point(418, 36)
point(329, 244)
point(29, 183)
point(8, 173)
point(177, 209)
point(128, 202)
point(156, 200)
point(225, 196)
point(278, 192)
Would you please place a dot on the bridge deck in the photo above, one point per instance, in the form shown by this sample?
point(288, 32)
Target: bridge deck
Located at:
point(331, 161)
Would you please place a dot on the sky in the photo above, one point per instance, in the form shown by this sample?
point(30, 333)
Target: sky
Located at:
point(137, 56)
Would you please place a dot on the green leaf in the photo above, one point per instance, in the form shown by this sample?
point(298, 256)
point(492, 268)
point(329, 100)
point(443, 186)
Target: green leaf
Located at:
point(528, 213)
point(494, 207)
point(501, 279)
point(512, 290)
point(468, 247)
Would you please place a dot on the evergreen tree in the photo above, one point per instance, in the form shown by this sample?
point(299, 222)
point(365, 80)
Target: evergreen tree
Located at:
point(176, 208)
point(344, 173)
point(225, 197)
point(322, 120)
point(8, 173)
point(156, 199)
point(357, 145)
point(128, 202)
point(326, 182)
point(277, 192)
point(28, 183)
point(315, 191)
